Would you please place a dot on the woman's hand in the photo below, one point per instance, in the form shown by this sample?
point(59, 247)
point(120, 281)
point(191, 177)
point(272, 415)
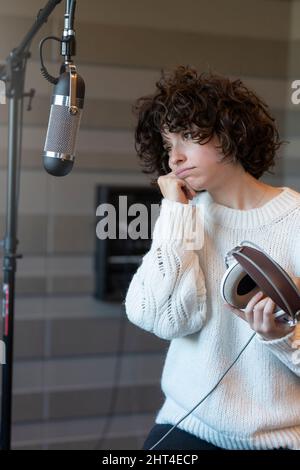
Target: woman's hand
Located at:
point(175, 189)
point(259, 313)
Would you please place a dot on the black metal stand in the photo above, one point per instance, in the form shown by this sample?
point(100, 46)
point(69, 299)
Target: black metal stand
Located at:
point(13, 74)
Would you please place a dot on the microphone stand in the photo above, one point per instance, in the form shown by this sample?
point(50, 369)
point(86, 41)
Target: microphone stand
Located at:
point(13, 75)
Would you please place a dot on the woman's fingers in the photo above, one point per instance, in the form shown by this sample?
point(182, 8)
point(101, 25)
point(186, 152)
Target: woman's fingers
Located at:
point(190, 193)
point(254, 302)
point(188, 190)
point(268, 315)
point(248, 313)
point(259, 313)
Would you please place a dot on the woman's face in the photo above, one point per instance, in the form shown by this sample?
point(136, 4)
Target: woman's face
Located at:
point(207, 171)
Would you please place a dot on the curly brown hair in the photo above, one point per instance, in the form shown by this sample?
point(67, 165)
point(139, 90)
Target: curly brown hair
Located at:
point(205, 104)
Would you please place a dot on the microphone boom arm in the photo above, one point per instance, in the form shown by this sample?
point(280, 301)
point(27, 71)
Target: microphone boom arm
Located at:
point(12, 73)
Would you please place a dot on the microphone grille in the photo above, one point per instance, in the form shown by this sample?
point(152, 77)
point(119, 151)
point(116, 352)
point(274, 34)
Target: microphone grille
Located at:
point(62, 130)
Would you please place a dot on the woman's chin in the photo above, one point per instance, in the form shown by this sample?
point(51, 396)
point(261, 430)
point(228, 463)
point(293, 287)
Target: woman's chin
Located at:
point(194, 183)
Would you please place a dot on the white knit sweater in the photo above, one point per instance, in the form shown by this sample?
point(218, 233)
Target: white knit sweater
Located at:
point(175, 294)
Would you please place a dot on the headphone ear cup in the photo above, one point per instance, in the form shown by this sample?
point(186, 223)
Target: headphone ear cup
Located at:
point(237, 287)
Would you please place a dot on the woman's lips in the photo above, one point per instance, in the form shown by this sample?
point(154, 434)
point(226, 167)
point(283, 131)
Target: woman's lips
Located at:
point(183, 172)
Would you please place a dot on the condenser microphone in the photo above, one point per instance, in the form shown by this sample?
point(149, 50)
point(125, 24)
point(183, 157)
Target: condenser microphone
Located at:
point(64, 121)
point(66, 103)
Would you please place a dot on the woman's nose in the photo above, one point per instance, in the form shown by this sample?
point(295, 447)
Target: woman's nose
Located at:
point(176, 156)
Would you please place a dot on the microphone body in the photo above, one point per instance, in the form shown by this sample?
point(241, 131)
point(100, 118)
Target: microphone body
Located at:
point(65, 115)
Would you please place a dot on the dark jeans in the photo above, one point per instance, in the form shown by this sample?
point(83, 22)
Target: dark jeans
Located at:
point(177, 440)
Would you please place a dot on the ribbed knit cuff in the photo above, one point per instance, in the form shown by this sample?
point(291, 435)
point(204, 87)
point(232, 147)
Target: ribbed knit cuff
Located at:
point(180, 223)
point(283, 345)
point(286, 351)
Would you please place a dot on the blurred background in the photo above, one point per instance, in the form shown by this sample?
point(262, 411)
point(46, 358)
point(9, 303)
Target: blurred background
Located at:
point(84, 377)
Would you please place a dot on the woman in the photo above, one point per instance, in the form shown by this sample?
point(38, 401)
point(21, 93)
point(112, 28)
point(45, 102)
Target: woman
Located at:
point(209, 140)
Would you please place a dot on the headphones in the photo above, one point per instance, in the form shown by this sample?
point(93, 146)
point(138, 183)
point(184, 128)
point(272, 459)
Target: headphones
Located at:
point(253, 270)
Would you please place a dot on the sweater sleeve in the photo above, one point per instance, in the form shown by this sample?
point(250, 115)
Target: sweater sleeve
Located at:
point(167, 294)
point(296, 255)
point(285, 350)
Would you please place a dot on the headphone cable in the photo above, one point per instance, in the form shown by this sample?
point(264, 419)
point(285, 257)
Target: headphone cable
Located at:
point(207, 395)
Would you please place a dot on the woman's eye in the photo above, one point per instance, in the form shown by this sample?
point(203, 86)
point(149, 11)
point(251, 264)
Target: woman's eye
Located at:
point(188, 135)
point(185, 135)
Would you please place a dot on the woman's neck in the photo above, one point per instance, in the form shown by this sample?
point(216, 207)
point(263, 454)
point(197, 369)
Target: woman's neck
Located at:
point(243, 192)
